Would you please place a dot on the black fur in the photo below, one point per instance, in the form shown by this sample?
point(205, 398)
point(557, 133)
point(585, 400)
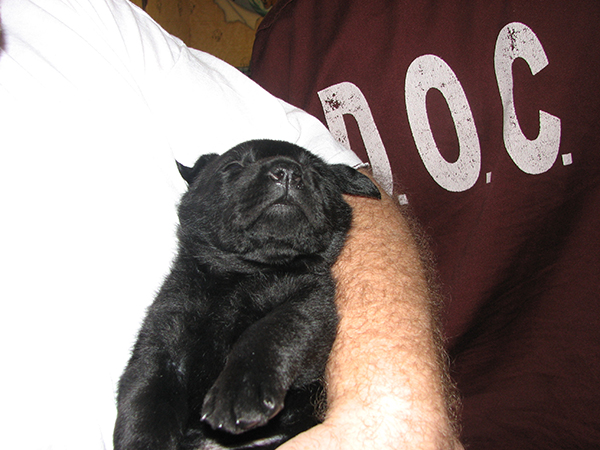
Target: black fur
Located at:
point(246, 318)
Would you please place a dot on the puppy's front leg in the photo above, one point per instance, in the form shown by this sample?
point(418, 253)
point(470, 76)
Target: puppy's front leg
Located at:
point(152, 406)
point(287, 348)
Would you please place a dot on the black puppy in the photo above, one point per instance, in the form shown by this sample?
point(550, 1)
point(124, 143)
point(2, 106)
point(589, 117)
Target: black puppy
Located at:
point(246, 318)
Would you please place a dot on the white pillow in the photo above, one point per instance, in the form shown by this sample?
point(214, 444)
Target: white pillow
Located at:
point(96, 103)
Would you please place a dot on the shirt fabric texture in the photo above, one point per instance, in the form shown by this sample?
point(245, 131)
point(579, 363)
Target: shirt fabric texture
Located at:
point(483, 117)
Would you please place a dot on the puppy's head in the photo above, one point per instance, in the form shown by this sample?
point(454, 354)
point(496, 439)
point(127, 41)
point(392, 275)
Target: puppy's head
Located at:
point(267, 203)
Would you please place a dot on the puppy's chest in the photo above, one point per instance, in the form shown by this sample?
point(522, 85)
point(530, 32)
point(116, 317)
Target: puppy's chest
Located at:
point(258, 295)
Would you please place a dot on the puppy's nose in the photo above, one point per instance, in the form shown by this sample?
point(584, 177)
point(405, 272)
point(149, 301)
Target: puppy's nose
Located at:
point(287, 174)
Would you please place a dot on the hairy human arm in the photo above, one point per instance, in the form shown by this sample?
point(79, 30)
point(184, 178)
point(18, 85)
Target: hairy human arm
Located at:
point(387, 384)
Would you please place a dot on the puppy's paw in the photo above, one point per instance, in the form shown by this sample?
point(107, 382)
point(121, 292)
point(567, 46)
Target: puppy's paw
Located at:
point(240, 402)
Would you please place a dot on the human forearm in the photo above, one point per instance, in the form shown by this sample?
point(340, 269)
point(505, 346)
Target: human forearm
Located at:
point(387, 336)
point(387, 386)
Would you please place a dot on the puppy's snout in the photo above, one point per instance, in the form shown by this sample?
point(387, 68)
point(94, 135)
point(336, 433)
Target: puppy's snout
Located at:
point(286, 174)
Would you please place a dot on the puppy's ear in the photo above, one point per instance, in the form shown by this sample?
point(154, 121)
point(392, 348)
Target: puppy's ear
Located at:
point(189, 174)
point(352, 182)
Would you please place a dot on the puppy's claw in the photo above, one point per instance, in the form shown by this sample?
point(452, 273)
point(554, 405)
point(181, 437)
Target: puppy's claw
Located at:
point(269, 403)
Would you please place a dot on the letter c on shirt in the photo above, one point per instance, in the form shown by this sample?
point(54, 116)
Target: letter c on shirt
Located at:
point(517, 40)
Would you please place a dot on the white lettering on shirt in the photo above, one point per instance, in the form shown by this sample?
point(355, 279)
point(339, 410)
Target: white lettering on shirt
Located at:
point(431, 72)
point(346, 98)
point(517, 40)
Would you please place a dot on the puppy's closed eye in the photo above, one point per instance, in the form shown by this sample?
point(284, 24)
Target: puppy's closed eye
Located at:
point(233, 166)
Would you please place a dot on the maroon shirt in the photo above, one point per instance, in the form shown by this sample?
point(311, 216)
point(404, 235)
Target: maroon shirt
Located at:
point(485, 117)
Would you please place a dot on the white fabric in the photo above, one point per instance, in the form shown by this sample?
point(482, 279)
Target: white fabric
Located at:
point(96, 102)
